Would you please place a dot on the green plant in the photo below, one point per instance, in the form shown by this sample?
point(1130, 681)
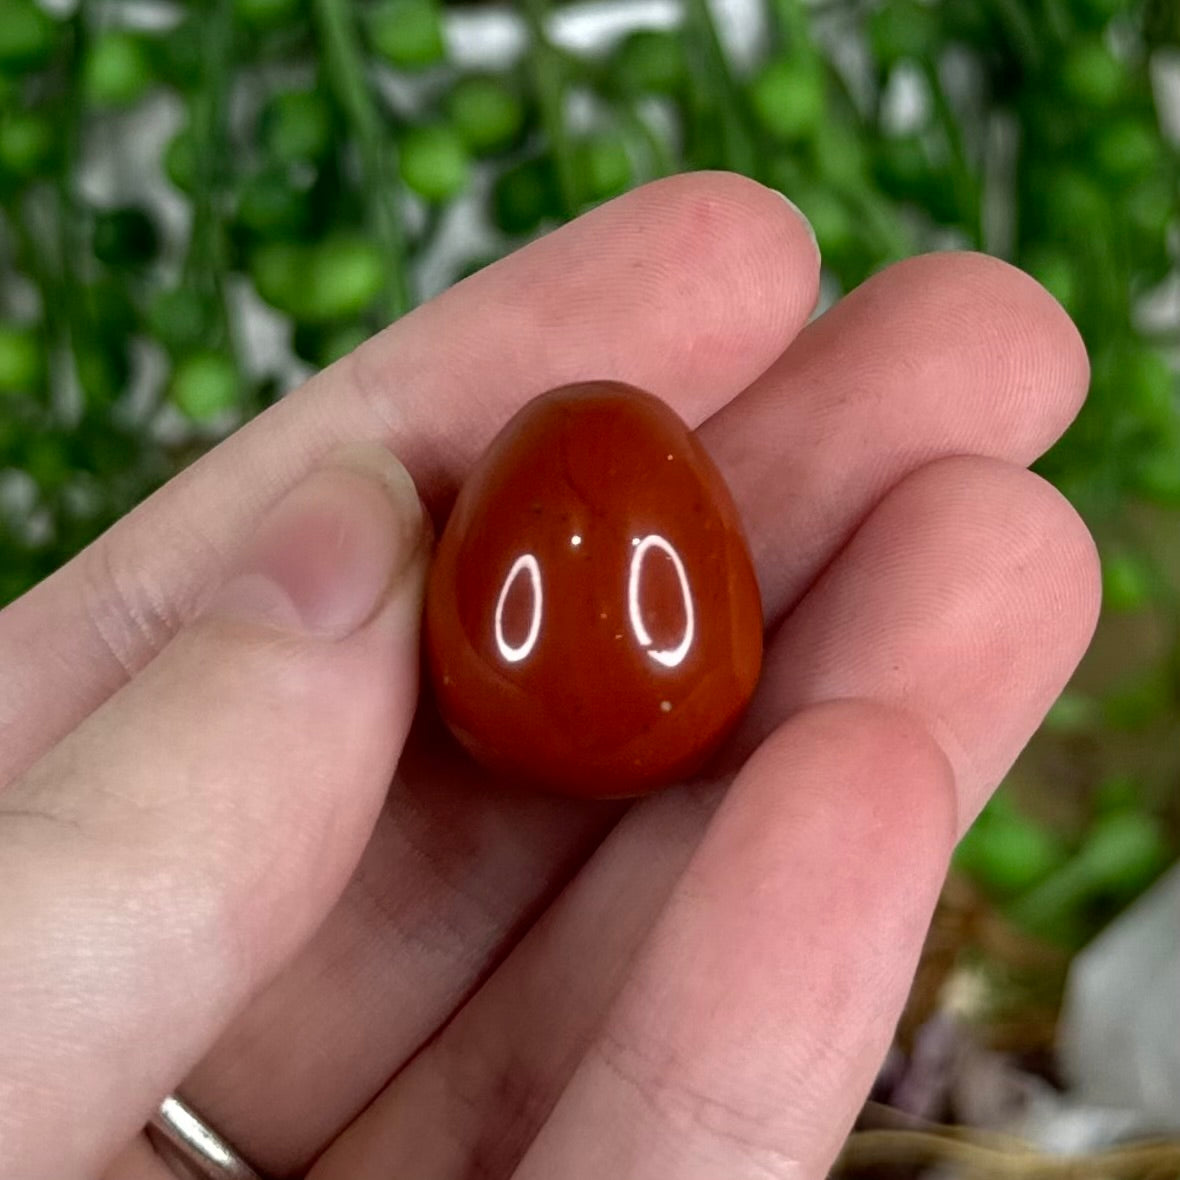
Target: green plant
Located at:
point(407, 33)
point(204, 386)
point(117, 69)
point(1122, 853)
point(1059, 888)
point(434, 161)
point(27, 36)
point(22, 359)
point(487, 112)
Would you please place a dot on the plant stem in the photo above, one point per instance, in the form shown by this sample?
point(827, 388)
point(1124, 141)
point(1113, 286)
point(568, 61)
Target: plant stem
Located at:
point(344, 67)
point(32, 251)
point(738, 143)
point(890, 235)
point(998, 203)
point(205, 261)
point(791, 23)
point(1058, 18)
point(658, 153)
point(966, 185)
point(69, 313)
point(1020, 29)
point(546, 65)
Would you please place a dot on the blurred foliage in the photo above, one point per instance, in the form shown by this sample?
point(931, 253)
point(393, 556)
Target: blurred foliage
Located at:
point(1063, 890)
point(316, 145)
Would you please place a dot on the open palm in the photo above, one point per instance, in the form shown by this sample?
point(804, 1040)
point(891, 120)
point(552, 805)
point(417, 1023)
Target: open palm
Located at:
point(205, 886)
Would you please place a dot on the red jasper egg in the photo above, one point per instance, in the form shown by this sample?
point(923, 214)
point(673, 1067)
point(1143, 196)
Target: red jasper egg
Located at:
point(593, 622)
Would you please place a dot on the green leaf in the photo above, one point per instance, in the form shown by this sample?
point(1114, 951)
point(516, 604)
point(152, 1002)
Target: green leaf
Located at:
point(180, 160)
point(1128, 584)
point(487, 112)
point(904, 29)
point(602, 166)
point(651, 61)
point(22, 358)
point(1059, 272)
point(1122, 792)
point(279, 272)
point(1009, 854)
point(1128, 149)
point(103, 367)
point(28, 36)
point(433, 162)
point(789, 97)
point(28, 144)
point(1124, 851)
point(407, 33)
point(46, 458)
point(1073, 713)
point(347, 273)
point(205, 385)
point(1092, 76)
point(273, 205)
point(296, 126)
point(118, 69)
point(179, 318)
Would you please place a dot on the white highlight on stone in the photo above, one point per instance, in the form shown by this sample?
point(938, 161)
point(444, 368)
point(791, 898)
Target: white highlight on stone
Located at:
point(514, 653)
point(670, 657)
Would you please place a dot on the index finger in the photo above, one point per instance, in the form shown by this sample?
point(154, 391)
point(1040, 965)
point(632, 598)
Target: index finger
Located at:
point(689, 287)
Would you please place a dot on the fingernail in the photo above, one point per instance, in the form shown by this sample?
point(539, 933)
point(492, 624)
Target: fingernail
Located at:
point(328, 554)
point(802, 217)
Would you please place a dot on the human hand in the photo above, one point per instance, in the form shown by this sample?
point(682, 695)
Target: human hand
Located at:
point(205, 887)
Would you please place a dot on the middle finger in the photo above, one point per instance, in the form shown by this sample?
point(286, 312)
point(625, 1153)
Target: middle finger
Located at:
point(943, 354)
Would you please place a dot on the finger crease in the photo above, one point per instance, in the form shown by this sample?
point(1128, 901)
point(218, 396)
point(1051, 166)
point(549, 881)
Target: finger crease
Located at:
point(678, 1104)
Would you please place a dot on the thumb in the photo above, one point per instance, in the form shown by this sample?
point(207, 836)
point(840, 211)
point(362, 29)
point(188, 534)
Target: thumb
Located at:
point(160, 864)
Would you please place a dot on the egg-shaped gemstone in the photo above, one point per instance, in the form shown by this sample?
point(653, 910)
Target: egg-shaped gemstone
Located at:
point(593, 623)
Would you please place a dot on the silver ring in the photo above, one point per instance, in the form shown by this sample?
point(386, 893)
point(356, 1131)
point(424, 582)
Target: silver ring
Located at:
point(194, 1143)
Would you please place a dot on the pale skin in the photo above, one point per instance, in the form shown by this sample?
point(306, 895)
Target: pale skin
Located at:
point(208, 884)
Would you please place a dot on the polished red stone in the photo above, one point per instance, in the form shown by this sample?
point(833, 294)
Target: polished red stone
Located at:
point(593, 623)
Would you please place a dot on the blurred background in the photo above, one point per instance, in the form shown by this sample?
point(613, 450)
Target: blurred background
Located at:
point(202, 203)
